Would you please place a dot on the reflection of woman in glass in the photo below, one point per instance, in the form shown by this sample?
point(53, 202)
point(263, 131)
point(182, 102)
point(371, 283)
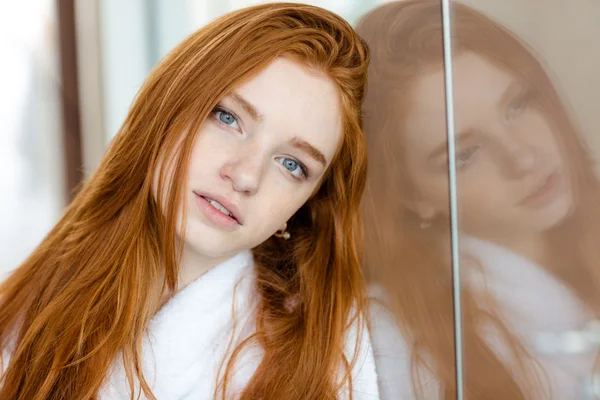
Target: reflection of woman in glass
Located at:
point(528, 206)
point(216, 249)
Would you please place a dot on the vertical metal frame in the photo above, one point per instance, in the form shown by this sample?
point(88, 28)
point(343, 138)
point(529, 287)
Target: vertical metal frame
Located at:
point(456, 286)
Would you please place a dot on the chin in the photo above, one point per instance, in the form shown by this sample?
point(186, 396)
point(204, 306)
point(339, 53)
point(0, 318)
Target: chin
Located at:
point(555, 214)
point(206, 242)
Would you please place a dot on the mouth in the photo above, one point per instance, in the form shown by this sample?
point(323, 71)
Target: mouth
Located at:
point(545, 192)
point(219, 206)
point(222, 206)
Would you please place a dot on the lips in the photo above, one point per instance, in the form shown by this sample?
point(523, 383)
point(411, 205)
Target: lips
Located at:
point(222, 205)
point(544, 192)
point(219, 206)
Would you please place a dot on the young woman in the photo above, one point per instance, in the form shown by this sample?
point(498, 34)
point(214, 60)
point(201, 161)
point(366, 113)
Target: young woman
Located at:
point(528, 206)
point(215, 253)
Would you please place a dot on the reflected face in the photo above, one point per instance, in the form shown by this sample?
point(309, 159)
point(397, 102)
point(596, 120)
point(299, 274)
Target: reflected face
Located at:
point(259, 157)
point(512, 175)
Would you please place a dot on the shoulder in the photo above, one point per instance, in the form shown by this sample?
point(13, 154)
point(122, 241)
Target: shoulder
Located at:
point(393, 355)
point(188, 338)
point(359, 349)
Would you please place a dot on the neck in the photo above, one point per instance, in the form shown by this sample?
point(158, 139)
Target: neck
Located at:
point(193, 265)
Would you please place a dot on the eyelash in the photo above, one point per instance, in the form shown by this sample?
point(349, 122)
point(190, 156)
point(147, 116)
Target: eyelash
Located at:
point(221, 109)
point(305, 173)
point(471, 151)
point(519, 103)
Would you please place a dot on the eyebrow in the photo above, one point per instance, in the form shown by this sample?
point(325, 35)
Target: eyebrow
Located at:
point(247, 106)
point(514, 89)
point(309, 149)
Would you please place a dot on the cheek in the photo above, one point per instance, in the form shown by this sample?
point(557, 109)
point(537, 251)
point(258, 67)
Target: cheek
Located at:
point(481, 185)
point(279, 204)
point(541, 135)
point(478, 191)
point(478, 199)
point(434, 189)
point(287, 203)
point(475, 195)
point(425, 181)
point(208, 153)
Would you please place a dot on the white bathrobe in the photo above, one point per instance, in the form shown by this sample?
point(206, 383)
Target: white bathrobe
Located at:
point(548, 319)
point(189, 336)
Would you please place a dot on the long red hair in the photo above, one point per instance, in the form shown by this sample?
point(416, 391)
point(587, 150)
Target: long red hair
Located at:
point(413, 264)
point(90, 288)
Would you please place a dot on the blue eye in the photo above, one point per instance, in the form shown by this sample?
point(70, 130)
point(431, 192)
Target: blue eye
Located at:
point(297, 169)
point(226, 118)
point(465, 156)
point(518, 105)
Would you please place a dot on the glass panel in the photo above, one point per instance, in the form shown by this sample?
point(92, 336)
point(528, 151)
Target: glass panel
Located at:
point(406, 207)
point(526, 107)
point(31, 163)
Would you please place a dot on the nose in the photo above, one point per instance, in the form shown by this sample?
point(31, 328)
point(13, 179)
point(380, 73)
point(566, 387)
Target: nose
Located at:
point(519, 158)
point(244, 172)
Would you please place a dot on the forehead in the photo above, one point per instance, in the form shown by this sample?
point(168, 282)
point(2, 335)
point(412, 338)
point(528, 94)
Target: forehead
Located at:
point(478, 86)
point(297, 101)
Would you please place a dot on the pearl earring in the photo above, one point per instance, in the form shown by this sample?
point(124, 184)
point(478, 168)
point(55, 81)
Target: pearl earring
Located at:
point(283, 233)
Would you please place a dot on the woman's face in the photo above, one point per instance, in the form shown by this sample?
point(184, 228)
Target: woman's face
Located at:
point(259, 156)
point(511, 172)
